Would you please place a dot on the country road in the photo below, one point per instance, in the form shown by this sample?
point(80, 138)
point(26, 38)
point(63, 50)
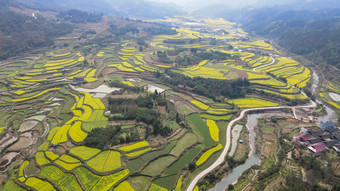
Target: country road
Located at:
point(33, 14)
point(221, 158)
point(265, 64)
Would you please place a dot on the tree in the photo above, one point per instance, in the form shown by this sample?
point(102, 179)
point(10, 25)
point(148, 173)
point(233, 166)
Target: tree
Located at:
point(192, 166)
point(230, 187)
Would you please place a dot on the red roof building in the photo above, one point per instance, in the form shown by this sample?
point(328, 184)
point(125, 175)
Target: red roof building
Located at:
point(317, 148)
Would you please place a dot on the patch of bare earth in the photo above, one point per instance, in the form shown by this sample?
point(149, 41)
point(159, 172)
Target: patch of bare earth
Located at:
point(7, 159)
point(336, 168)
point(93, 84)
point(6, 141)
point(28, 125)
point(294, 121)
point(162, 109)
point(174, 133)
point(269, 136)
point(127, 122)
point(269, 149)
point(23, 106)
point(23, 143)
point(241, 74)
point(107, 71)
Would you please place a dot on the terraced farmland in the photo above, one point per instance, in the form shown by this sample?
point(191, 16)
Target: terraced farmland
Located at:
point(260, 44)
point(151, 144)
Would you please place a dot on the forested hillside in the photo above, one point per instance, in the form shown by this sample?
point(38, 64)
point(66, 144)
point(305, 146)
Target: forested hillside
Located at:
point(19, 32)
point(307, 28)
point(313, 34)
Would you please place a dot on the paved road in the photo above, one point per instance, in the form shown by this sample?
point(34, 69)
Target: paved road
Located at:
point(220, 159)
point(265, 64)
point(33, 14)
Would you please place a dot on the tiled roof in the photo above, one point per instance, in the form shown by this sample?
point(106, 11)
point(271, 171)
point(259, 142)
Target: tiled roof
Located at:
point(318, 147)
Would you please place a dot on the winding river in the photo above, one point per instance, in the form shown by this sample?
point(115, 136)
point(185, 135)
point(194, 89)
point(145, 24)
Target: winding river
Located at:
point(253, 157)
point(331, 115)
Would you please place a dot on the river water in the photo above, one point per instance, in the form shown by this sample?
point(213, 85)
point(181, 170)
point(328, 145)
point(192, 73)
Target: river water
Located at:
point(253, 157)
point(331, 115)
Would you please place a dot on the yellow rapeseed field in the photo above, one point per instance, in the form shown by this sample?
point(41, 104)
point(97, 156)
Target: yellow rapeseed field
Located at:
point(84, 152)
point(134, 146)
point(35, 96)
point(51, 155)
point(137, 153)
point(207, 154)
point(105, 161)
point(38, 184)
point(127, 83)
point(213, 129)
point(155, 187)
point(76, 133)
point(251, 103)
point(41, 159)
point(200, 105)
point(124, 186)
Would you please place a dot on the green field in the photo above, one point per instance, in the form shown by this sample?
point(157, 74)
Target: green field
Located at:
point(203, 129)
point(114, 132)
point(184, 160)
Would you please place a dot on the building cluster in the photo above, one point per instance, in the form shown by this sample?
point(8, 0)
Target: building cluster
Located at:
point(317, 141)
point(78, 80)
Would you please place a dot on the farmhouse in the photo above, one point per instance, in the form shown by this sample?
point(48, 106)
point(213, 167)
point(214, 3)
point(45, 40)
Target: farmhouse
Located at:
point(327, 126)
point(319, 140)
point(336, 147)
point(153, 88)
point(78, 80)
point(330, 144)
point(317, 148)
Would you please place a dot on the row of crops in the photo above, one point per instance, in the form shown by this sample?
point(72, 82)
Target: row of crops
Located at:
point(63, 163)
point(80, 168)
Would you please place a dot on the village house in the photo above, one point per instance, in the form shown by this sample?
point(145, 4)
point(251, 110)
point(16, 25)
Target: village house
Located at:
point(78, 80)
point(317, 148)
point(327, 126)
point(327, 137)
point(336, 147)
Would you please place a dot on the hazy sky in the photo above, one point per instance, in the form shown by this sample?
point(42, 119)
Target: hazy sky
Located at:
point(231, 3)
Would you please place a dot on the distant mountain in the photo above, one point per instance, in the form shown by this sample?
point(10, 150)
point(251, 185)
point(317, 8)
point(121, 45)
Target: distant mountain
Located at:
point(235, 11)
point(125, 8)
point(314, 34)
point(308, 28)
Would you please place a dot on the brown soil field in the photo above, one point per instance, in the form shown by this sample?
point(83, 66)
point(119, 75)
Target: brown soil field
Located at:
point(269, 149)
point(23, 106)
point(161, 109)
point(107, 71)
point(127, 96)
point(268, 136)
point(241, 74)
point(23, 143)
point(28, 125)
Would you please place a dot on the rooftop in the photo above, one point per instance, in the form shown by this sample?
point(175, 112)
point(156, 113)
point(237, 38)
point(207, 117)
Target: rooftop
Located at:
point(318, 147)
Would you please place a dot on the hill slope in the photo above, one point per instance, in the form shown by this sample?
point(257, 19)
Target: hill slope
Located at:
point(133, 8)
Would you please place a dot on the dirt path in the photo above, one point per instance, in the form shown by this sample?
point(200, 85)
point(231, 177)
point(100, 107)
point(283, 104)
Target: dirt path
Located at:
point(304, 176)
point(221, 158)
point(294, 113)
point(47, 129)
point(266, 64)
